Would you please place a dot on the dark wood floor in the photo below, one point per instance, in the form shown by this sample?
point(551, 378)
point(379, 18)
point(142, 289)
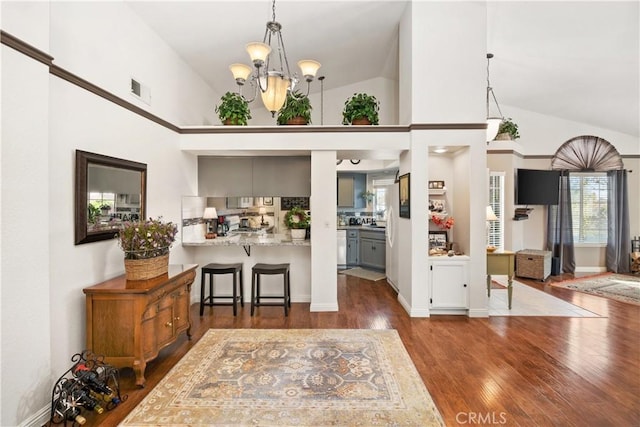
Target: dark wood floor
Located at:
point(514, 371)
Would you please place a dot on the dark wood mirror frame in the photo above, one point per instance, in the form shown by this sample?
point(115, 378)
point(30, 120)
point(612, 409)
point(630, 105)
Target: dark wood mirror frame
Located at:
point(83, 160)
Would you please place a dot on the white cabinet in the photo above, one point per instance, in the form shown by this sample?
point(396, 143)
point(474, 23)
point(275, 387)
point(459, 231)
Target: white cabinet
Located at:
point(449, 284)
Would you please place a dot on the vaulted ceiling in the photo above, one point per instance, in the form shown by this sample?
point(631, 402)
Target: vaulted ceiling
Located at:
point(574, 60)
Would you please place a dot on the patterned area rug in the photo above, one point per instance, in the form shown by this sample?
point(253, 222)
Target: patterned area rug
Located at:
point(364, 274)
point(294, 377)
point(615, 286)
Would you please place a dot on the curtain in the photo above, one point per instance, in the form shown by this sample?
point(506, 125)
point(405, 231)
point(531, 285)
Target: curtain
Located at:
point(618, 235)
point(560, 228)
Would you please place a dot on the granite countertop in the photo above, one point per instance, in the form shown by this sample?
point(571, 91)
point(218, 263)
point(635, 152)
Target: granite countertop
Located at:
point(250, 239)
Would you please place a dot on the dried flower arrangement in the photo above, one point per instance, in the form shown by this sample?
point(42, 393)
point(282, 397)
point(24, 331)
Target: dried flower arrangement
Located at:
point(146, 239)
point(442, 223)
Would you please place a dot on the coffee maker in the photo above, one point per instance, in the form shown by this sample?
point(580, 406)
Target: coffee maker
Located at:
point(223, 227)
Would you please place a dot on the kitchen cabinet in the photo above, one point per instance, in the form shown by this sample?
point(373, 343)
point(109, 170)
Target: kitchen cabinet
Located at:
point(372, 249)
point(225, 176)
point(282, 176)
point(350, 189)
point(353, 248)
point(449, 284)
point(254, 176)
point(129, 322)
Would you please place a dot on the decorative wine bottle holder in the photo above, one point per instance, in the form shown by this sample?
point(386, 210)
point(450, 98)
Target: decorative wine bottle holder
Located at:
point(90, 385)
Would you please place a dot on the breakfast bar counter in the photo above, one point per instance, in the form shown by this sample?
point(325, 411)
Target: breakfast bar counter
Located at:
point(250, 239)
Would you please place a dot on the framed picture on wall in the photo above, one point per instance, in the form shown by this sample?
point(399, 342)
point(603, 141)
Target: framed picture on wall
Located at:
point(437, 239)
point(405, 196)
point(267, 201)
point(436, 185)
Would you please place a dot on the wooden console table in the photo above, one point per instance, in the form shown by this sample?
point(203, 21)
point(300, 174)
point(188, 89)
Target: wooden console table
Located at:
point(129, 322)
point(502, 262)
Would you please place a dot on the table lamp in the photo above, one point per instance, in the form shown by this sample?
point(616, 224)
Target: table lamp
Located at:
point(262, 211)
point(491, 216)
point(208, 215)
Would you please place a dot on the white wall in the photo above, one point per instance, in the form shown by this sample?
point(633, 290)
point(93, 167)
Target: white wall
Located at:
point(541, 134)
point(43, 123)
point(106, 43)
point(25, 230)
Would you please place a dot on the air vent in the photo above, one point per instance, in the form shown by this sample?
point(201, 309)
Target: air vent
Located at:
point(140, 91)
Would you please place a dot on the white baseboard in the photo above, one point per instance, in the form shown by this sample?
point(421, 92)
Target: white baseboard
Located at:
point(479, 312)
point(324, 307)
point(591, 269)
point(38, 419)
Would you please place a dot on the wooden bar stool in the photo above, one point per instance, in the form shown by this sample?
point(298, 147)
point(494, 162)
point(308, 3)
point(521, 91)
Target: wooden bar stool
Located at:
point(213, 269)
point(270, 269)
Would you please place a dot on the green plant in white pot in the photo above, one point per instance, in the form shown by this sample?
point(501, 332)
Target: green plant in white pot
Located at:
point(298, 221)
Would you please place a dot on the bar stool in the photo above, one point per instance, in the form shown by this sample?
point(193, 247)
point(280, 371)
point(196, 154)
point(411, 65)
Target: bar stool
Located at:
point(270, 269)
point(213, 269)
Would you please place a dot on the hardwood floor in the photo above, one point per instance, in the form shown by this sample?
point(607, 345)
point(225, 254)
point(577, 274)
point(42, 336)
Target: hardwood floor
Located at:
point(514, 371)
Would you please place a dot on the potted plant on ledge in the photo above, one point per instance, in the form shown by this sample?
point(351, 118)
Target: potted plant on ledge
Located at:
point(298, 221)
point(361, 109)
point(233, 109)
point(508, 131)
point(296, 110)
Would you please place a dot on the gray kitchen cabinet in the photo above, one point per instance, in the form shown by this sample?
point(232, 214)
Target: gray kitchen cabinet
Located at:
point(345, 191)
point(282, 176)
point(254, 176)
point(225, 176)
point(350, 189)
point(353, 247)
point(372, 249)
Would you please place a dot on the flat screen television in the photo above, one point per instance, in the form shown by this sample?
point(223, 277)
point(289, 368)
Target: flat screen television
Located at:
point(537, 187)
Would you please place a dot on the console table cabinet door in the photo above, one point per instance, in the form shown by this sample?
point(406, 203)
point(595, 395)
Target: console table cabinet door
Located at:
point(181, 310)
point(130, 322)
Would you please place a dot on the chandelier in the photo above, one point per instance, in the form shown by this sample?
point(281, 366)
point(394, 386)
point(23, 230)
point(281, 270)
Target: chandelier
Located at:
point(272, 75)
point(493, 122)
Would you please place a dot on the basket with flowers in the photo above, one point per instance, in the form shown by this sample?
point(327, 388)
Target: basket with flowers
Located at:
point(146, 247)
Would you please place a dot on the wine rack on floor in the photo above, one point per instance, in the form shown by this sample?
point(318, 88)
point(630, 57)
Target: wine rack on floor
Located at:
point(89, 385)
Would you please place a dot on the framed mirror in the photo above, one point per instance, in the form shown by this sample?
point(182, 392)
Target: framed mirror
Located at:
point(108, 192)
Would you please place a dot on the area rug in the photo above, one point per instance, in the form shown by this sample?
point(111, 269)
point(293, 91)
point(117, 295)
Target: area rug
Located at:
point(528, 301)
point(615, 286)
point(364, 274)
point(291, 377)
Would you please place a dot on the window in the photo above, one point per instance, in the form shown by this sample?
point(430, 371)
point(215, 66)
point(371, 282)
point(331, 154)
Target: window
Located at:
point(589, 207)
point(496, 201)
point(380, 186)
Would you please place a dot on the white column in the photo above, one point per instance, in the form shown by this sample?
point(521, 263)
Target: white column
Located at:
point(324, 254)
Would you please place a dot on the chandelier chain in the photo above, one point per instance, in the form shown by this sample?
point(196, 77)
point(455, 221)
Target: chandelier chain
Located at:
point(490, 89)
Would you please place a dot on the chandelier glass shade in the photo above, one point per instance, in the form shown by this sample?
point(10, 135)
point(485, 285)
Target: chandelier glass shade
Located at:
point(493, 122)
point(270, 73)
point(276, 92)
